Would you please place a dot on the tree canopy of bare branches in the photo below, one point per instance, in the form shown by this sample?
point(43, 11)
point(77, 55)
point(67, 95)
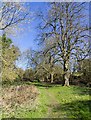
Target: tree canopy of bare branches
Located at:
point(66, 29)
point(13, 15)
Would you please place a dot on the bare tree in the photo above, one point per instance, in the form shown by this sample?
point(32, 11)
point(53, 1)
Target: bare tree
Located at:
point(43, 64)
point(66, 25)
point(13, 14)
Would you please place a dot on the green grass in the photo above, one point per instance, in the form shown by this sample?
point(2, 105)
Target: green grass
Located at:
point(56, 101)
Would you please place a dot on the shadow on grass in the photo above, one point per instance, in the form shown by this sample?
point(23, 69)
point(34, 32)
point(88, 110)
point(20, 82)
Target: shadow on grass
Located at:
point(81, 90)
point(81, 110)
point(38, 84)
point(45, 85)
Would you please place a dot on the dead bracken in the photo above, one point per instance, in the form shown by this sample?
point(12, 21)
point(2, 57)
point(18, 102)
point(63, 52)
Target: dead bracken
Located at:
point(16, 97)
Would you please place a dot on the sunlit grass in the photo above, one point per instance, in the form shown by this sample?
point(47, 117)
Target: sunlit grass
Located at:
point(59, 102)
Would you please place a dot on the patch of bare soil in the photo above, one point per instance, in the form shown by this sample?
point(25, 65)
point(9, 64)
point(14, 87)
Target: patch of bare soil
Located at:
point(16, 97)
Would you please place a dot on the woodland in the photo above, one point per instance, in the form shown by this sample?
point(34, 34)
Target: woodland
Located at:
point(56, 80)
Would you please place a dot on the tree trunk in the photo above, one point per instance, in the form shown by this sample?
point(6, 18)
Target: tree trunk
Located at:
point(63, 82)
point(66, 74)
point(47, 77)
point(43, 79)
point(64, 68)
point(52, 77)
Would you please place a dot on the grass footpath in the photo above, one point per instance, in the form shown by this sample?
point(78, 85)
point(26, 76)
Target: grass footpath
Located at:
point(56, 101)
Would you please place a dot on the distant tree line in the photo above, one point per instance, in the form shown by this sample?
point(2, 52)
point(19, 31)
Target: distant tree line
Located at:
point(41, 70)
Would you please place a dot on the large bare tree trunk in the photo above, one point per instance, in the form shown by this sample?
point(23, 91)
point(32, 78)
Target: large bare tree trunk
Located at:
point(66, 75)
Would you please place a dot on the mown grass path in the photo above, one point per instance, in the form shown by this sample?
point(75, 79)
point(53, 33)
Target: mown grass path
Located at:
point(52, 103)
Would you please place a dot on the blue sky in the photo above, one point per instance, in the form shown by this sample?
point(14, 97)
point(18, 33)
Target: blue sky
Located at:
point(26, 39)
